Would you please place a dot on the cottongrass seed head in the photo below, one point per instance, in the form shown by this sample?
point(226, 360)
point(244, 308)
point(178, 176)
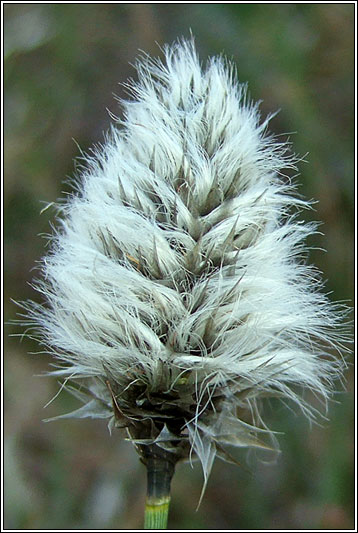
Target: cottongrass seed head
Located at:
point(176, 289)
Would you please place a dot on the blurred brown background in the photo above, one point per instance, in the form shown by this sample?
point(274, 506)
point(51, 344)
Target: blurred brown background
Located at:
point(63, 63)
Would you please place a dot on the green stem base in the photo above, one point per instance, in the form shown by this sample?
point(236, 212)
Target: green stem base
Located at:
point(156, 513)
point(160, 469)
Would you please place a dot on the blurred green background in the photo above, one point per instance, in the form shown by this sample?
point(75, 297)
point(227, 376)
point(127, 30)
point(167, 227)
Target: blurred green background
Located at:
point(63, 63)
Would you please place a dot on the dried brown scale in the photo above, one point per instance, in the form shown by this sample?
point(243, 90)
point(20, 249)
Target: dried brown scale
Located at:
point(155, 411)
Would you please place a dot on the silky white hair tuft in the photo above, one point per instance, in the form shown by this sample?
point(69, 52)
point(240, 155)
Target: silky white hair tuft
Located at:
point(176, 289)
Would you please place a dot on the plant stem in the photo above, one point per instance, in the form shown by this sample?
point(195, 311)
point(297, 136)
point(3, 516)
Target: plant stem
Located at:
point(156, 513)
point(159, 475)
